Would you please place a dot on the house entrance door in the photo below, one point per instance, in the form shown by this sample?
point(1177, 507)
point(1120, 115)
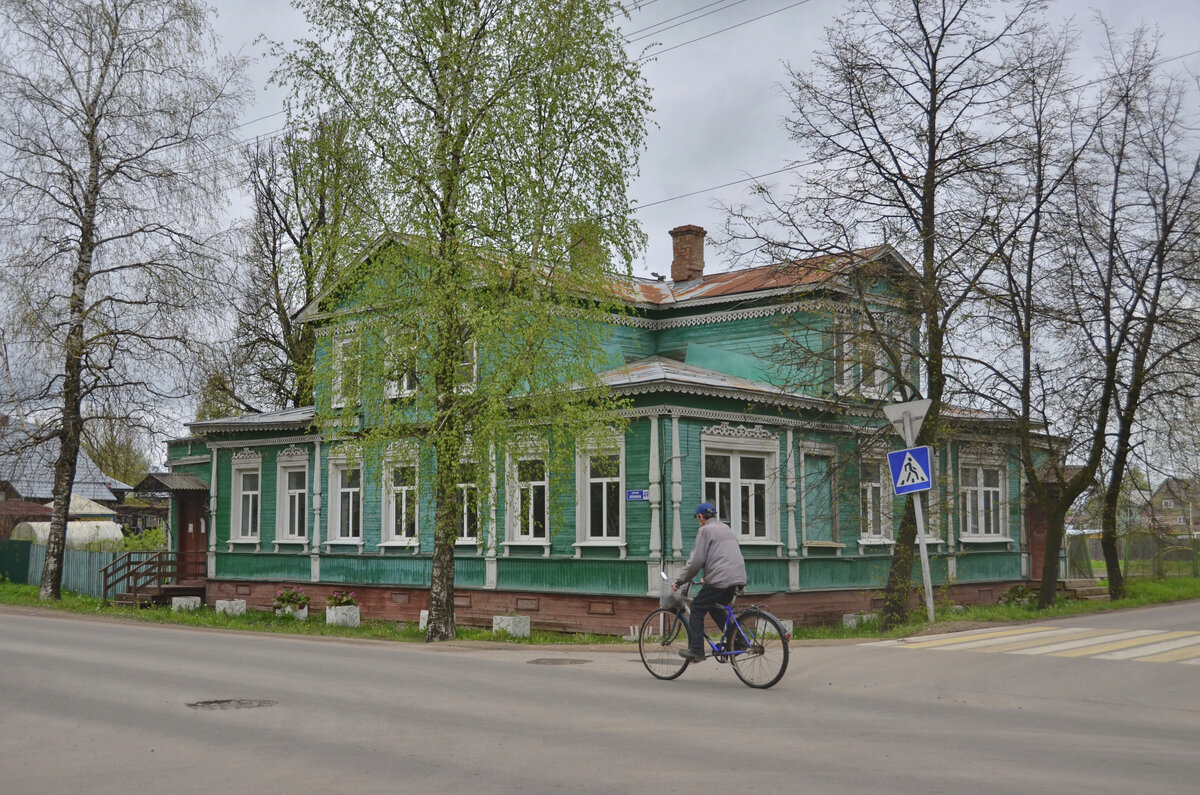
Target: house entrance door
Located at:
point(193, 535)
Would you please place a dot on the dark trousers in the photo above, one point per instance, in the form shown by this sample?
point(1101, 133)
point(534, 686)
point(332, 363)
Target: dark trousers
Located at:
point(710, 600)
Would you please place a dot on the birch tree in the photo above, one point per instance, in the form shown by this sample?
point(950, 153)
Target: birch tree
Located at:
point(116, 115)
point(502, 136)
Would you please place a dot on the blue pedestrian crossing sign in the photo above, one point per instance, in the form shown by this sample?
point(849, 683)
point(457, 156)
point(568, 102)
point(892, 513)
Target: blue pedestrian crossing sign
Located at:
point(911, 469)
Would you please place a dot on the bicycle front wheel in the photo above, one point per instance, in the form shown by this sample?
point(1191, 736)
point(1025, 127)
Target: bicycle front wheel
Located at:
point(765, 657)
point(663, 635)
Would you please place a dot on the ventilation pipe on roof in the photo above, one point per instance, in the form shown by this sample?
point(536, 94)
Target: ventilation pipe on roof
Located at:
point(689, 253)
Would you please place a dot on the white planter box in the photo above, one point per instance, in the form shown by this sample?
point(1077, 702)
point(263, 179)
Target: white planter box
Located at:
point(231, 607)
point(185, 603)
point(516, 626)
point(344, 616)
point(298, 613)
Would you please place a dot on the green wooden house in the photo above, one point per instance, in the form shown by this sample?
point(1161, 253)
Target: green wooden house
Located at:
point(743, 389)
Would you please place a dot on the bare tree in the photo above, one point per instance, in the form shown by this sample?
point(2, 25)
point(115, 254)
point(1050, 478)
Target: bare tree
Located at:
point(116, 116)
point(897, 121)
point(309, 221)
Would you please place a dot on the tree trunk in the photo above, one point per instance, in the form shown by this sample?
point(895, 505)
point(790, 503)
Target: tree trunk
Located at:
point(1056, 520)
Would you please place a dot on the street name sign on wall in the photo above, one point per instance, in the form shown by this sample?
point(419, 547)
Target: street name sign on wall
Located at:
point(637, 494)
point(911, 469)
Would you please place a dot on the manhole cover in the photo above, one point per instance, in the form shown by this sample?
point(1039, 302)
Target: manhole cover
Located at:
point(556, 661)
point(232, 703)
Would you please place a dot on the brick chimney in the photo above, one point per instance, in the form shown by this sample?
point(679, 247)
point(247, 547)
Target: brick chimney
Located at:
point(689, 253)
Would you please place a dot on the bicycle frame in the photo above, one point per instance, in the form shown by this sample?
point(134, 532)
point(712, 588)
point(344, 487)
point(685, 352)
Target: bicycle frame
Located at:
point(719, 652)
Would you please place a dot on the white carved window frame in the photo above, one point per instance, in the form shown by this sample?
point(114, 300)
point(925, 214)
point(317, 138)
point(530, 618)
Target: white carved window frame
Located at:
point(739, 440)
point(245, 462)
point(513, 503)
point(613, 444)
point(288, 461)
point(337, 465)
point(400, 457)
point(980, 461)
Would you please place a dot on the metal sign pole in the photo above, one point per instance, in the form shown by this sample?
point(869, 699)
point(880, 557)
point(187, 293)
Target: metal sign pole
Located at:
point(909, 441)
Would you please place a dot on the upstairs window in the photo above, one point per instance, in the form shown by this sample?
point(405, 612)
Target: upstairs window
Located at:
point(346, 370)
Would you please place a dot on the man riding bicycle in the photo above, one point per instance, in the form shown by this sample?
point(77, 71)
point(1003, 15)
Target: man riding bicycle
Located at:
point(718, 554)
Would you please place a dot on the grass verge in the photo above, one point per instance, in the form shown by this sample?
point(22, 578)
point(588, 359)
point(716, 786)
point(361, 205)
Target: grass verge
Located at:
point(1141, 593)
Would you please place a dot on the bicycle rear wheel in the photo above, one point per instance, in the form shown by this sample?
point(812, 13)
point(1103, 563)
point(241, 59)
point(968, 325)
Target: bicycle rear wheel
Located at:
point(765, 659)
point(663, 635)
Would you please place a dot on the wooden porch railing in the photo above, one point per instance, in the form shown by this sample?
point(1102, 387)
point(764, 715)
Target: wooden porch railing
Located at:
point(141, 574)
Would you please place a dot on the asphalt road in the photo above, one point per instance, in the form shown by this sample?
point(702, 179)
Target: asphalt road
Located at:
point(90, 706)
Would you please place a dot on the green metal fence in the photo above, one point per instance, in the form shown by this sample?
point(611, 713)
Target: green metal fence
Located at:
point(1147, 554)
point(81, 568)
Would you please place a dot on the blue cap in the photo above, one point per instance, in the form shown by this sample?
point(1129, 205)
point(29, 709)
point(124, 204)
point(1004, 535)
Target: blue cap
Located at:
point(705, 509)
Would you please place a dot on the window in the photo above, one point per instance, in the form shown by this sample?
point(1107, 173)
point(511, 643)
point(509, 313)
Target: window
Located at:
point(400, 505)
point(528, 506)
point(346, 513)
point(247, 495)
point(294, 490)
point(467, 494)
point(402, 376)
point(345, 372)
point(604, 500)
point(980, 494)
point(1168, 504)
point(736, 484)
point(1180, 520)
point(861, 362)
point(874, 502)
point(468, 368)
point(817, 495)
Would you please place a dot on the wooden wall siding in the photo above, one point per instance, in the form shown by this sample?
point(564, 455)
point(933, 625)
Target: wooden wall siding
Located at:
point(766, 576)
point(611, 577)
point(846, 572)
point(376, 569)
point(993, 565)
point(263, 565)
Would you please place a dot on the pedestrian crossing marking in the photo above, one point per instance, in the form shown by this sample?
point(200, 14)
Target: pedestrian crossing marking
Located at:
point(946, 640)
point(1089, 651)
point(1186, 642)
point(1188, 654)
point(1089, 642)
point(1007, 645)
point(1140, 645)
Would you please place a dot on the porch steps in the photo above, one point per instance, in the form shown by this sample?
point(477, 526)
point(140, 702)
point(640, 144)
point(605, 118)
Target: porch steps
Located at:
point(160, 595)
point(1079, 589)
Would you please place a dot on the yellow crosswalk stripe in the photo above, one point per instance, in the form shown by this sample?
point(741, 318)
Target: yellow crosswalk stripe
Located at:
point(970, 637)
point(1067, 635)
point(1175, 655)
point(1088, 651)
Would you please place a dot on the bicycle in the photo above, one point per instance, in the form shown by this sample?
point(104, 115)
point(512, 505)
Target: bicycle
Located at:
point(754, 643)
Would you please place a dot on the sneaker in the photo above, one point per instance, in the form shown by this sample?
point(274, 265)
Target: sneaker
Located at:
point(691, 656)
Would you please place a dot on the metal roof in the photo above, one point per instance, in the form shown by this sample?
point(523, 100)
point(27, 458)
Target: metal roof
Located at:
point(170, 481)
point(30, 470)
point(267, 421)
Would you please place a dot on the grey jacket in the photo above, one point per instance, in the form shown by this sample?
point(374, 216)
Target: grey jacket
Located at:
point(716, 552)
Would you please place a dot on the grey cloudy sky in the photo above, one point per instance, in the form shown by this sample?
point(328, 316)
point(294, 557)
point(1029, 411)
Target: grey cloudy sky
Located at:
point(717, 89)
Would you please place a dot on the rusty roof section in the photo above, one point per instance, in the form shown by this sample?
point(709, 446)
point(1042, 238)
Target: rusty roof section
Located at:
point(764, 278)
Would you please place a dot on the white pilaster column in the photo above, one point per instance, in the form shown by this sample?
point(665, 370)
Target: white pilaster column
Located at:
point(676, 490)
point(655, 492)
